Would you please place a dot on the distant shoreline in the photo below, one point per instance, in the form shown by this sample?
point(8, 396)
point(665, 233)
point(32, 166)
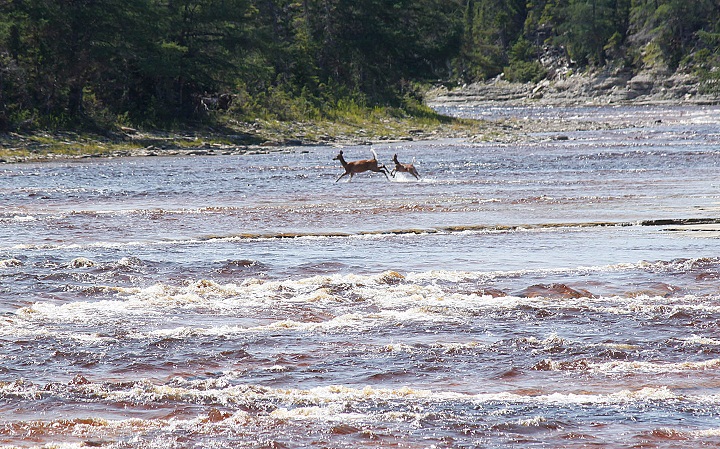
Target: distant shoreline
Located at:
point(592, 89)
point(41, 146)
point(263, 137)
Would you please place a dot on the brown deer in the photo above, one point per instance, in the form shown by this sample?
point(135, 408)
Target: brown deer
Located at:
point(404, 168)
point(360, 166)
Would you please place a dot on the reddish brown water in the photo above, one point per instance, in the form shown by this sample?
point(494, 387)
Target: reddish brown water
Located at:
point(539, 295)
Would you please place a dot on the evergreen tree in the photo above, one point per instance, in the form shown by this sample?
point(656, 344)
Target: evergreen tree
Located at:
point(204, 50)
point(491, 28)
point(79, 61)
point(587, 26)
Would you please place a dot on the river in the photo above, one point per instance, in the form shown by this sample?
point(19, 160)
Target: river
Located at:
point(562, 292)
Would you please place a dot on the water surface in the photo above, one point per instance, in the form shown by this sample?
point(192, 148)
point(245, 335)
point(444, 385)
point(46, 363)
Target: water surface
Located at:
point(547, 294)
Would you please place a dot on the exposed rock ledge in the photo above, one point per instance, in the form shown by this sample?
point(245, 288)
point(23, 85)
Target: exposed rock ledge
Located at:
point(579, 89)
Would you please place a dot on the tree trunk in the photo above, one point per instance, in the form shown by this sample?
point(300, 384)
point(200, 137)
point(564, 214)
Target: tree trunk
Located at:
point(75, 99)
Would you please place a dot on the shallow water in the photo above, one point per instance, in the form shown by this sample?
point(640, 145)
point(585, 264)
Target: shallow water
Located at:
point(547, 294)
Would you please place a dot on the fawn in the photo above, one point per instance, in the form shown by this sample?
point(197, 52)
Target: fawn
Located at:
point(404, 168)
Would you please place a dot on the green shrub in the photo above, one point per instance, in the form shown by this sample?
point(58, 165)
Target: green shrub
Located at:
point(523, 71)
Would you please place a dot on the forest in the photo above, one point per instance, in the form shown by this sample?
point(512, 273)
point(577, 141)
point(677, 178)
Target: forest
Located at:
point(160, 63)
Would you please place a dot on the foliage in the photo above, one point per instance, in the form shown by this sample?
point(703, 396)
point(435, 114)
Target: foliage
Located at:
point(706, 60)
point(587, 26)
point(95, 63)
point(523, 65)
point(491, 26)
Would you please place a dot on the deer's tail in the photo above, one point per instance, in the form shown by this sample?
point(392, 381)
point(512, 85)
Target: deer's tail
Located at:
point(374, 153)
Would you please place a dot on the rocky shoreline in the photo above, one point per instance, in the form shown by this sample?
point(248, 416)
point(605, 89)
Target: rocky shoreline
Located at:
point(593, 89)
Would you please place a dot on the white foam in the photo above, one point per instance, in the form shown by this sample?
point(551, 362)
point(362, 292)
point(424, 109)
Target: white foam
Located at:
point(615, 367)
point(331, 413)
point(53, 445)
point(81, 311)
point(653, 305)
point(393, 299)
point(340, 394)
point(82, 262)
point(8, 263)
point(464, 276)
point(705, 433)
point(698, 340)
point(532, 422)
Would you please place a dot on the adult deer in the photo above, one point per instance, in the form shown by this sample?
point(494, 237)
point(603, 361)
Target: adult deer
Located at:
point(360, 166)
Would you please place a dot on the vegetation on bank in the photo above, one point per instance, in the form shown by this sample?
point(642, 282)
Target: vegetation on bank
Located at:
point(226, 135)
point(101, 65)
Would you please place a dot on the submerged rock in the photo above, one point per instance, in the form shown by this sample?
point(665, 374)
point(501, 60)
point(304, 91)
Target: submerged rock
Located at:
point(81, 262)
point(559, 291)
point(492, 292)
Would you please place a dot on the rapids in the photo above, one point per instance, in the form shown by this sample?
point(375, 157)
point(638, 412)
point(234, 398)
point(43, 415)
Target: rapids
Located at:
point(554, 293)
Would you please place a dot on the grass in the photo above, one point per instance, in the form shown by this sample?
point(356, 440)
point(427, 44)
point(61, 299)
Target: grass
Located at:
point(347, 123)
point(59, 144)
point(352, 122)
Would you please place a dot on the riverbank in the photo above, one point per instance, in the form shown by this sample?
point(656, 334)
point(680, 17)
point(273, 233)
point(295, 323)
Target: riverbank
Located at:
point(233, 137)
point(262, 136)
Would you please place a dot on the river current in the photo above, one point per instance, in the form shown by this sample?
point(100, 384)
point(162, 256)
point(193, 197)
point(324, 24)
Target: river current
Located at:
point(563, 292)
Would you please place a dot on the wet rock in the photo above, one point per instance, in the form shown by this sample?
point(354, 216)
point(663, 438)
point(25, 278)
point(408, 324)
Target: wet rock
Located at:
point(344, 429)
point(81, 262)
point(97, 443)
point(391, 278)
point(556, 291)
point(215, 415)
point(489, 291)
point(79, 379)
point(658, 289)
